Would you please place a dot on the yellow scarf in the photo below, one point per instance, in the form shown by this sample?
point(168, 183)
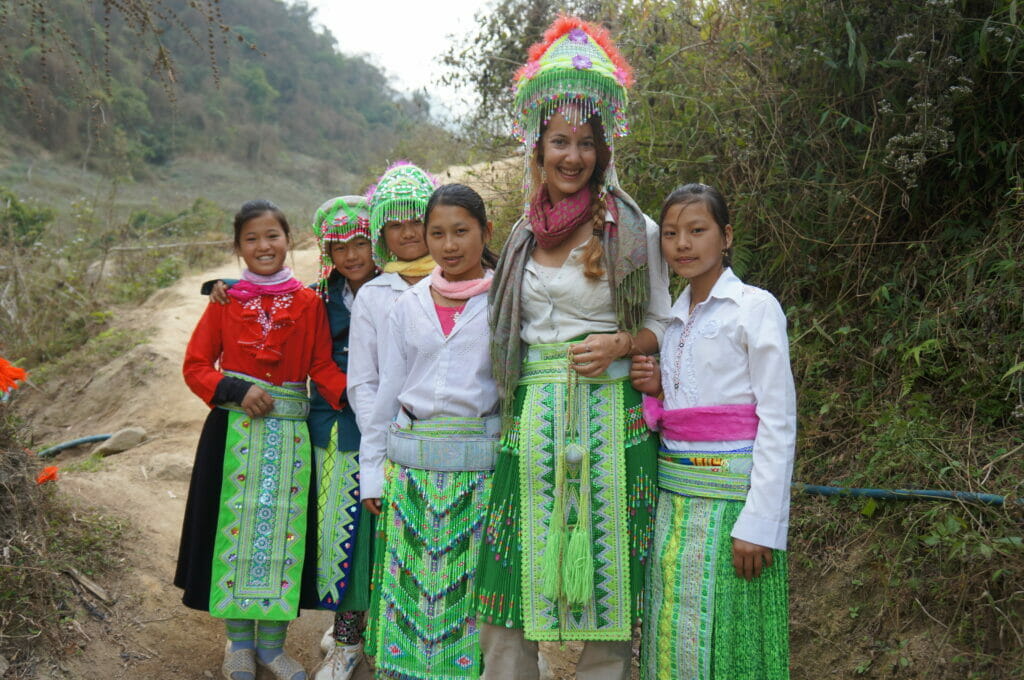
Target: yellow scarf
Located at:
point(420, 267)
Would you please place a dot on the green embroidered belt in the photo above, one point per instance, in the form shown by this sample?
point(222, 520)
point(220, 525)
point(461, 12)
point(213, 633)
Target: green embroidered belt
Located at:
point(723, 475)
point(548, 363)
point(444, 444)
point(290, 399)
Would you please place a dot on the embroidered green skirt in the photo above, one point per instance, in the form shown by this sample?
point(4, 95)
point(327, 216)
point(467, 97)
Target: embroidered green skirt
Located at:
point(345, 536)
point(702, 621)
point(567, 540)
point(260, 545)
point(422, 622)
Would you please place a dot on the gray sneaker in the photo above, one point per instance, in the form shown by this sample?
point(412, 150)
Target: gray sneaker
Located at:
point(340, 663)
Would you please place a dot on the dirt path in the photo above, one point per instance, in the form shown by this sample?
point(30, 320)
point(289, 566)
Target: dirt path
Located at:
point(148, 633)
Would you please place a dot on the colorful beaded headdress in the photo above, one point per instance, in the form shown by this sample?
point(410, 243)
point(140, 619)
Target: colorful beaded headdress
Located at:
point(400, 194)
point(576, 63)
point(339, 219)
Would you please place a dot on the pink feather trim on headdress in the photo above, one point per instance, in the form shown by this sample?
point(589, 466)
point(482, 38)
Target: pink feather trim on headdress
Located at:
point(562, 25)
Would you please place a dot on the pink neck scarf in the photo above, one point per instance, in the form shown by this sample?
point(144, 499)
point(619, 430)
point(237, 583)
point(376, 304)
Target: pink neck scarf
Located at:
point(728, 422)
point(552, 223)
point(458, 290)
point(279, 283)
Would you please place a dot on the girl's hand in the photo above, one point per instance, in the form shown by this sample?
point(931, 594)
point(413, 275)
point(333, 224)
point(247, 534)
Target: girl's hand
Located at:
point(592, 357)
point(372, 505)
point(645, 375)
point(219, 293)
point(749, 558)
point(257, 402)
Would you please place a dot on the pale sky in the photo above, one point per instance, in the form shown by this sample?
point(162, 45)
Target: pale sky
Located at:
point(406, 38)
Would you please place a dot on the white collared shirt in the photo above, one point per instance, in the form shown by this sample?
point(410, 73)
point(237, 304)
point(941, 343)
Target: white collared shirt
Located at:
point(348, 298)
point(736, 351)
point(369, 314)
point(561, 303)
point(427, 374)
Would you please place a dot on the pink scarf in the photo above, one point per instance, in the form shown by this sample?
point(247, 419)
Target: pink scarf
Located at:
point(280, 283)
point(729, 422)
point(458, 290)
point(553, 223)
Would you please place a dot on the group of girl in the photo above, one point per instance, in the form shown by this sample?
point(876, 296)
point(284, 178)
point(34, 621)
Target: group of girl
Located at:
point(506, 488)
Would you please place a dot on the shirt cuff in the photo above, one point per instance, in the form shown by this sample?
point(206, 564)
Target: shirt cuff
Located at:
point(760, 530)
point(230, 389)
point(656, 327)
point(371, 482)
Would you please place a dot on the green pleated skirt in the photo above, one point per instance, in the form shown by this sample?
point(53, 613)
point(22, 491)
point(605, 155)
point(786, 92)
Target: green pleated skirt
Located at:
point(703, 622)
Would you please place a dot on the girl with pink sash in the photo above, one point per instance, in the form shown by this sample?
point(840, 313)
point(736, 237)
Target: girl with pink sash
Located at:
point(716, 598)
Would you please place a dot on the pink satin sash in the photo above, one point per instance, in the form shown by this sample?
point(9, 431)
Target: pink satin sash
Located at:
point(729, 422)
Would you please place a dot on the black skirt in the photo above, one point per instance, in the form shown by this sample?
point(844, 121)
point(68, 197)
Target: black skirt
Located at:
point(199, 527)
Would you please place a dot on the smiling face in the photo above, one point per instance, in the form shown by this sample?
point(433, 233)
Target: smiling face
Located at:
point(353, 259)
point(263, 244)
point(568, 156)
point(456, 241)
point(405, 239)
point(692, 242)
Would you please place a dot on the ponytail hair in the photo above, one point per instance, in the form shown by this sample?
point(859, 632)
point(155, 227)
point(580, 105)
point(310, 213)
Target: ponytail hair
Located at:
point(465, 197)
point(593, 254)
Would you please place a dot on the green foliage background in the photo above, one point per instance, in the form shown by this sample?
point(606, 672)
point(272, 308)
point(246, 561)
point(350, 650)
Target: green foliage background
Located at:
point(871, 151)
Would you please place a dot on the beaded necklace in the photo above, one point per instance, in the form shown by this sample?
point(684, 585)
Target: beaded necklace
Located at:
point(683, 337)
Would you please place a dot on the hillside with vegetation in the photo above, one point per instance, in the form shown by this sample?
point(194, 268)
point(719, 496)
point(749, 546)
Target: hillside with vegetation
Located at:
point(121, 85)
point(873, 154)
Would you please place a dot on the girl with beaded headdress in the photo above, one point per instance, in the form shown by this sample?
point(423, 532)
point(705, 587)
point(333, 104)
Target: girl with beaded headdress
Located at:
point(579, 288)
point(726, 410)
point(345, 536)
point(396, 204)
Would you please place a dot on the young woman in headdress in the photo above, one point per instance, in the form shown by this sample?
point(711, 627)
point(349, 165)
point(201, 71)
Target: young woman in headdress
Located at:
point(579, 288)
point(396, 204)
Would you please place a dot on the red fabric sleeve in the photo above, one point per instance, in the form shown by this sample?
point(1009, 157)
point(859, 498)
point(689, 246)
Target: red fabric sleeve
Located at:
point(329, 379)
point(203, 352)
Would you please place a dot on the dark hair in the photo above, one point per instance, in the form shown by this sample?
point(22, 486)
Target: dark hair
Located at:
point(593, 255)
point(260, 206)
point(462, 196)
point(711, 198)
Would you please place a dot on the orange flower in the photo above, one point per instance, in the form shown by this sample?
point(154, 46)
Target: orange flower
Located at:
point(49, 474)
point(9, 374)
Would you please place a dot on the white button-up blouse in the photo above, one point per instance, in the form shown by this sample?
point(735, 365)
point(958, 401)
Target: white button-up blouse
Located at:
point(369, 314)
point(733, 349)
point(427, 374)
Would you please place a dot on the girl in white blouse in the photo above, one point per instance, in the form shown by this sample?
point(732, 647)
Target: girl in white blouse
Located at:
point(718, 570)
point(435, 422)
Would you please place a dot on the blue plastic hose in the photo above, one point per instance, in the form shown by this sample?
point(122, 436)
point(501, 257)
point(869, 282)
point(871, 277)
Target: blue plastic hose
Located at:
point(907, 494)
point(45, 453)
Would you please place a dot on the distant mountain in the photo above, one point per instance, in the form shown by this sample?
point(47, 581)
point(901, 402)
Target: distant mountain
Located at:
point(139, 82)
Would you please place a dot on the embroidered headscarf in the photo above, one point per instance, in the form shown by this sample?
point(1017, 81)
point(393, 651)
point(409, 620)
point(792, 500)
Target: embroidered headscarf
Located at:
point(340, 220)
point(400, 194)
point(577, 71)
